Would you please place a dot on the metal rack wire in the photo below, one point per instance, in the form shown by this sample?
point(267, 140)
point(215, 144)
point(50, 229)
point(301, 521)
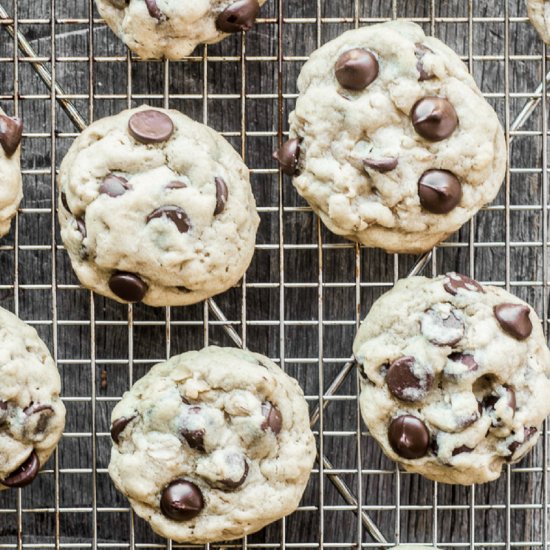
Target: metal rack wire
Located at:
point(306, 291)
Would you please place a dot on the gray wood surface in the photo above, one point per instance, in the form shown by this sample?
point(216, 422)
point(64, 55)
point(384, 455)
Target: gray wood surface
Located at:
point(100, 352)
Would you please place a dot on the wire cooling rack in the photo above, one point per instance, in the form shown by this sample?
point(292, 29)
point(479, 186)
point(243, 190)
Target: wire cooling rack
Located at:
point(306, 290)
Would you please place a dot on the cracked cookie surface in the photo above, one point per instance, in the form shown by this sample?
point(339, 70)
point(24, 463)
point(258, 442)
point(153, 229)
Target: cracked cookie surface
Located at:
point(173, 28)
point(32, 415)
point(212, 445)
point(156, 208)
point(391, 142)
point(455, 377)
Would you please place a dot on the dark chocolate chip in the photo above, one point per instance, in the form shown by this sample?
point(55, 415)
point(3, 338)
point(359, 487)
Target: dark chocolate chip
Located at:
point(194, 438)
point(288, 156)
point(11, 130)
point(120, 4)
point(420, 51)
point(232, 484)
point(462, 449)
point(434, 118)
point(272, 417)
point(3, 406)
point(119, 425)
point(466, 359)
point(356, 69)
point(173, 213)
point(409, 437)
point(35, 408)
point(150, 126)
point(514, 320)
point(154, 10)
point(442, 329)
point(25, 474)
point(181, 500)
point(127, 286)
point(64, 202)
point(455, 282)
point(528, 433)
point(81, 226)
point(240, 16)
point(176, 185)
point(382, 165)
point(222, 192)
point(114, 186)
point(439, 191)
point(489, 401)
point(404, 384)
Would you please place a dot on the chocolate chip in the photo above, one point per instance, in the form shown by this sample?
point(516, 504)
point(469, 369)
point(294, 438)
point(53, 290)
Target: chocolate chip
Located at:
point(194, 438)
point(119, 425)
point(356, 69)
point(288, 156)
point(462, 449)
point(403, 382)
point(127, 286)
point(40, 425)
point(11, 130)
point(439, 191)
point(420, 51)
point(114, 186)
point(466, 359)
point(150, 126)
point(409, 437)
point(382, 165)
point(455, 282)
point(64, 202)
point(176, 185)
point(175, 214)
point(528, 433)
point(35, 408)
point(120, 4)
point(25, 474)
point(81, 226)
point(240, 16)
point(514, 320)
point(222, 192)
point(442, 328)
point(434, 118)
point(232, 484)
point(272, 417)
point(490, 401)
point(181, 500)
point(154, 10)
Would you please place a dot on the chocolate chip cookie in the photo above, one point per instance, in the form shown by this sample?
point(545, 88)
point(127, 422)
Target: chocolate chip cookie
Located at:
point(173, 28)
point(11, 130)
point(455, 377)
point(156, 208)
point(212, 445)
point(391, 142)
point(32, 416)
point(539, 14)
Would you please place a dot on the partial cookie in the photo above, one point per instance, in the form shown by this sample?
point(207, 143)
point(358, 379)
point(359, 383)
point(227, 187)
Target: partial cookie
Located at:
point(212, 445)
point(539, 14)
point(391, 142)
point(173, 28)
point(32, 415)
point(11, 130)
point(455, 377)
point(156, 208)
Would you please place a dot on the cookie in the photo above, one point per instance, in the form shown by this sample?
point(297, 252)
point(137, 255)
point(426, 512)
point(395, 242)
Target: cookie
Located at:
point(32, 415)
point(455, 377)
point(539, 14)
point(11, 130)
point(156, 208)
point(391, 142)
point(212, 445)
point(173, 28)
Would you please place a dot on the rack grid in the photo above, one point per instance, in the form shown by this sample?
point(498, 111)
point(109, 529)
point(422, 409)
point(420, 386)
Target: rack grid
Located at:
point(306, 290)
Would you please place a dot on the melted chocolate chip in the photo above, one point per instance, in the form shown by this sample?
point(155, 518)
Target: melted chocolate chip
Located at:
point(442, 328)
point(288, 156)
point(25, 474)
point(382, 165)
point(127, 286)
point(35, 408)
point(154, 10)
point(150, 126)
point(409, 437)
point(119, 425)
point(114, 186)
point(462, 449)
point(356, 69)
point(439, 191)
point(120, 4)
point(181, 500)
point(455, 282)
point(434, 118)
point(420, 51)
point(173, 213)
point(272, 417)
point(232, 484)
point(489, 402)
point(176, 185)
point(404, 384)
point(240, 16)
point(11, 130)
point(194, 438)
point(222, 192)
point(528, 433)
point(64, 202)
point(466, 359)
point(514, 320)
